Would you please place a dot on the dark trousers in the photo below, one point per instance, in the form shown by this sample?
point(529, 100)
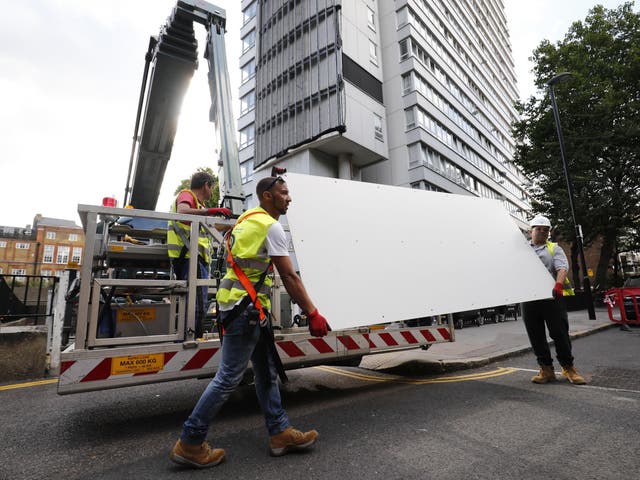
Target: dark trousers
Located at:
point(553, 314)
point(181, 269)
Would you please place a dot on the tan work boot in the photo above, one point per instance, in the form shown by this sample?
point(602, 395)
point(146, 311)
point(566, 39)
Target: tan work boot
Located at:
point(545, 375)
point(291, 440)
point(573, 376)
point(197, 456)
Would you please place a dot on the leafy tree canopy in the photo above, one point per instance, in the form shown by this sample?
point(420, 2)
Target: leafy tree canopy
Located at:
point(599, 110)
point(213, 202)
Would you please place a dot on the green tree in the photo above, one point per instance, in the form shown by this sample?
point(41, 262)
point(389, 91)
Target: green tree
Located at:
point(599, 109)
point(213, 202)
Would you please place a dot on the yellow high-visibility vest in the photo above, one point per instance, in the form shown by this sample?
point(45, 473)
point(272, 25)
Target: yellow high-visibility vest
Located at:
point(567, 289)
point(247, 237)
point(179, 234)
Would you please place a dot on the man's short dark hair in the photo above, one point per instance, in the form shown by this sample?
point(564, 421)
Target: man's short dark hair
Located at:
point(199, 179)
point(266, 184)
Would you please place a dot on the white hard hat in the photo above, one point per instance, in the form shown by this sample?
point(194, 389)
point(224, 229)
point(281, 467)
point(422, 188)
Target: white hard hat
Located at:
point(540, 221)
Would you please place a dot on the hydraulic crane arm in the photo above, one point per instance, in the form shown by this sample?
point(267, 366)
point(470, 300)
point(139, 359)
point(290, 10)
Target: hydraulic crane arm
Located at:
point(221, 115)
point(171, 60)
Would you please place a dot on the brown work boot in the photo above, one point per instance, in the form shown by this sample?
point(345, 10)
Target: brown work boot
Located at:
point(545, 375)
point(291, 440)
point(197, 456)
point(572, 375)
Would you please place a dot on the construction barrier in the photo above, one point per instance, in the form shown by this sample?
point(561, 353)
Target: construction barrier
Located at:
point(626, 299)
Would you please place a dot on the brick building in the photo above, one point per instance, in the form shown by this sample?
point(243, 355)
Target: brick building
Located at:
point(46, 248)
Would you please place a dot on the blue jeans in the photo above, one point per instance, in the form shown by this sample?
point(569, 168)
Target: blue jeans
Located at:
point(181, 269)
point(241, 342)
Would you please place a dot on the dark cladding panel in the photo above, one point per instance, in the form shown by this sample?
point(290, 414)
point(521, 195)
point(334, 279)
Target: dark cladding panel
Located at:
point(358, 76)
point(299, 89)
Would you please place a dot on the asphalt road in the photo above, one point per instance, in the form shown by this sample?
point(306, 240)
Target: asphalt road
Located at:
point(488, 423)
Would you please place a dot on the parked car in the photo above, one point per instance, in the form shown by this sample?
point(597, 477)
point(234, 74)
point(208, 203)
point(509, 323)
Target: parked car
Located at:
point(629, 305)
point(466, 318)
point(491, 314)
point(497, 314)
point(511, 311)
point(501, 313)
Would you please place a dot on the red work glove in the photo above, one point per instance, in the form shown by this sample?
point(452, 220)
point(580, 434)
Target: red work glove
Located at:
point(318, 325)
point(225, 212)
point(557, 291)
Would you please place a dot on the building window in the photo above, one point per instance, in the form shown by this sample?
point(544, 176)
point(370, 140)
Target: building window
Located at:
point(51, 235)
point(246, 171)
point(248, 71)
point(377, 127)
point(22, 246)
point(404, 49)
point(18, 271)
point(73, 237)
point(373, 53)
point(407, 83)
point(248, 41)
point(3, 244)
point(246, 136)
point(47, 256)
point(77, 254)
point(249, 12)
point(371, 19)
point(410, 118)
point(63, 255)
point(248, 102)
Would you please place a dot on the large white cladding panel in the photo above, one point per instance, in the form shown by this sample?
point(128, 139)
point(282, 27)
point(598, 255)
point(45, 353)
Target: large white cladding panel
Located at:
point(371, 253)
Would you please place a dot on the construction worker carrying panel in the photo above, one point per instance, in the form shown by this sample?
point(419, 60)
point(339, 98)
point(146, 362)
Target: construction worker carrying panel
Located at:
point(192, 201)
point(552, 312)
point(256, 242)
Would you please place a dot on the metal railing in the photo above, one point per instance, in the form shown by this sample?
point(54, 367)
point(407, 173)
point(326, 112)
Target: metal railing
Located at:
point(26, 299)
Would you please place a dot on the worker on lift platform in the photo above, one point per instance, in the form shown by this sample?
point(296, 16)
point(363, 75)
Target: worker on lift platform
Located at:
point(192, 201)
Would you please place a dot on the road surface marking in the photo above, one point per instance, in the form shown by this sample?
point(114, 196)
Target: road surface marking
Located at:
point(28, 384)
point(373, 378)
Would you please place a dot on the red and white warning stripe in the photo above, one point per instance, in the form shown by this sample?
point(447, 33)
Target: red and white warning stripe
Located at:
point(92, 369)
point(365, 342)
point(80, 373)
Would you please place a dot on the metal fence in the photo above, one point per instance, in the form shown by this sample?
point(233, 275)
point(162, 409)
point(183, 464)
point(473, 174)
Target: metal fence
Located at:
point(26, 299)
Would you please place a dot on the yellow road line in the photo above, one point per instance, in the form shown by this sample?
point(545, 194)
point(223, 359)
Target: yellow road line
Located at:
point(28, 384)
point(386, 379)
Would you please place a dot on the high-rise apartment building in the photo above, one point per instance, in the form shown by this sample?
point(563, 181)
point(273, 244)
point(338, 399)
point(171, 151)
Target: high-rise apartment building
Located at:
point(415, 93)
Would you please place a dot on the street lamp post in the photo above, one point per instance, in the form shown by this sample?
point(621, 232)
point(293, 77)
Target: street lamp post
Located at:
point(586, 283)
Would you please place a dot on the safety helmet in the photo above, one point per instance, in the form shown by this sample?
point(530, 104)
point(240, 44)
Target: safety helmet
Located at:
point(540, 221)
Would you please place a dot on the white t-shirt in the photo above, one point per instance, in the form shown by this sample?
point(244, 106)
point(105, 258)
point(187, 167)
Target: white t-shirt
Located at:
point(276, 243)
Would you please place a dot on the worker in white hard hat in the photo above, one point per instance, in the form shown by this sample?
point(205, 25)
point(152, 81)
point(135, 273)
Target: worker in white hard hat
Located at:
point(550, 312)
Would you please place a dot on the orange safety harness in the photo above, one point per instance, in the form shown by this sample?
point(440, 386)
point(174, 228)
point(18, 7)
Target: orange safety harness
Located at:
point(265, 323)
point(242, 277)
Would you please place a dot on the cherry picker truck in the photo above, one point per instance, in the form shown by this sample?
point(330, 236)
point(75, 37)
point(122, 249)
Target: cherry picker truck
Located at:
point(135, 324)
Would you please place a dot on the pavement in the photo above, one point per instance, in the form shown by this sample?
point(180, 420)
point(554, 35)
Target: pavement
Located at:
point(478, 346)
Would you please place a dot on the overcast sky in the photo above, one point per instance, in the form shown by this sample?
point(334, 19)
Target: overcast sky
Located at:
point(70, 78)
